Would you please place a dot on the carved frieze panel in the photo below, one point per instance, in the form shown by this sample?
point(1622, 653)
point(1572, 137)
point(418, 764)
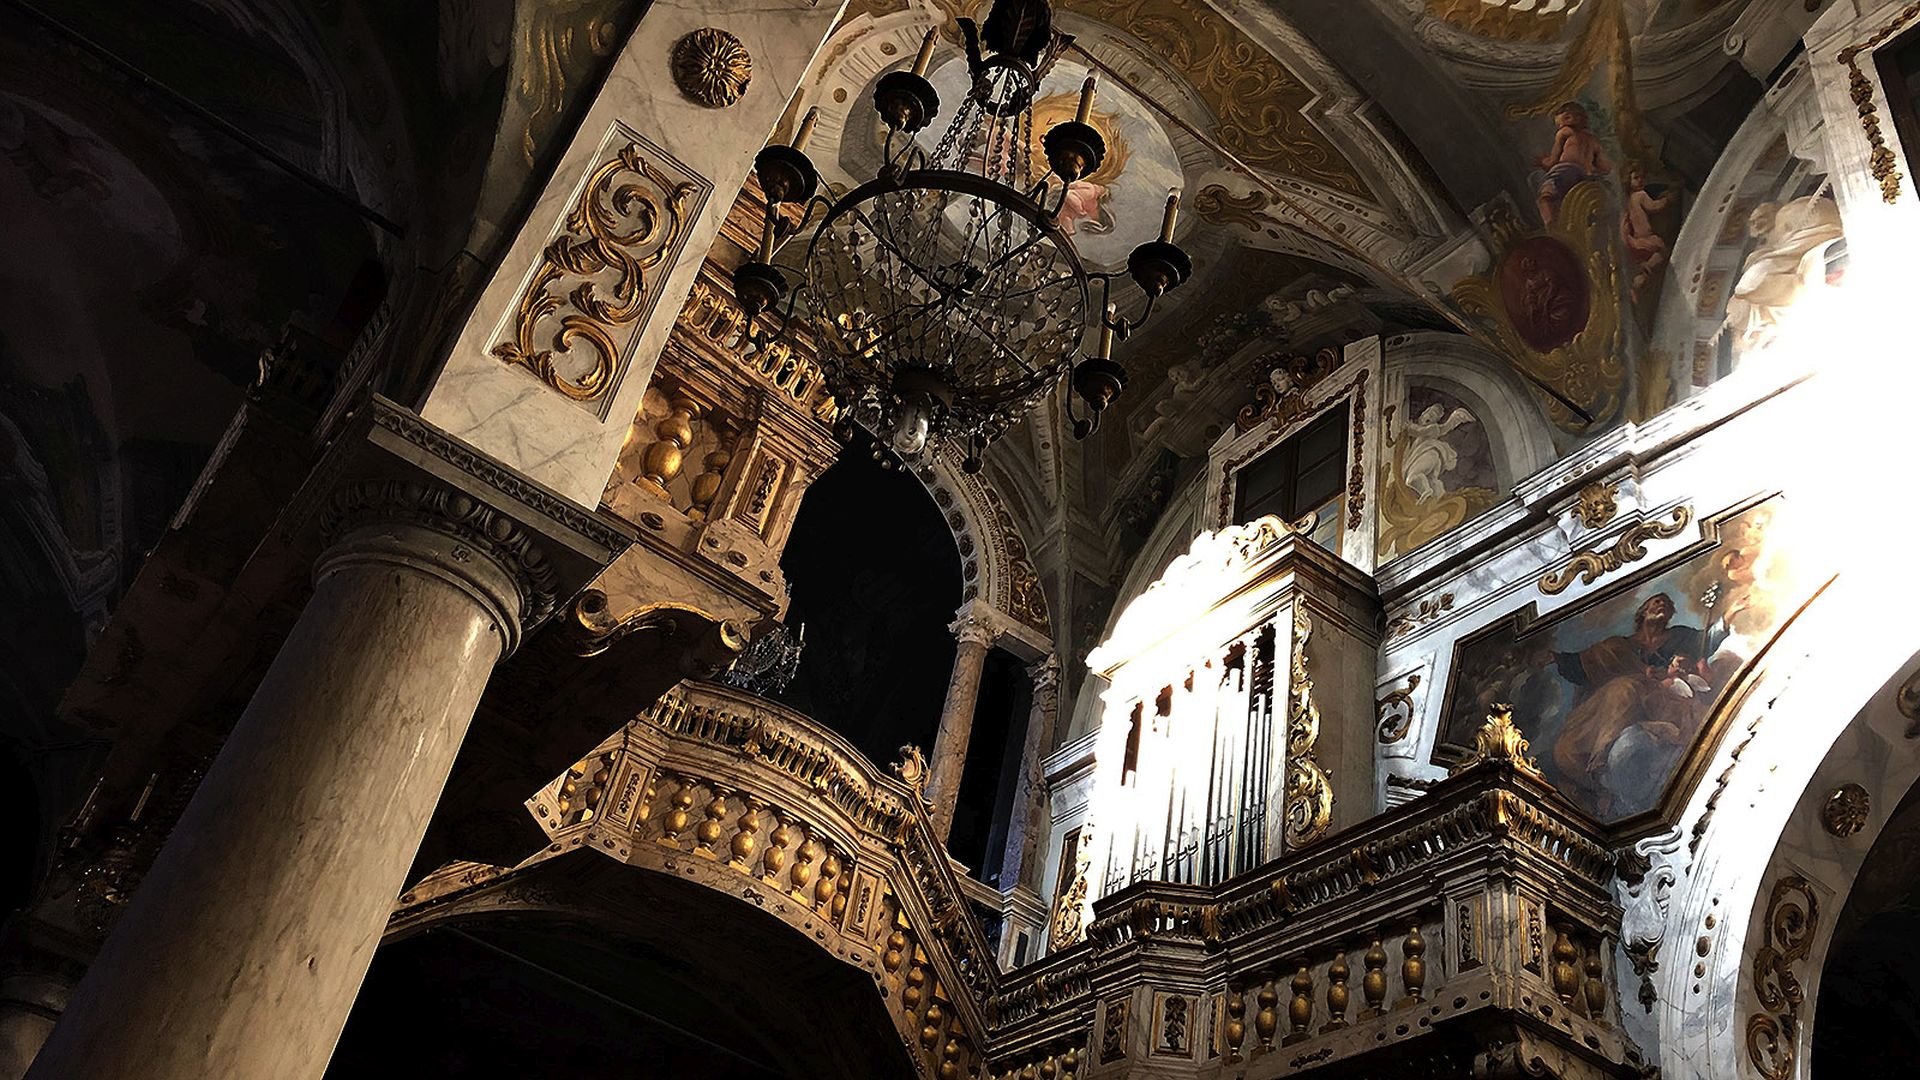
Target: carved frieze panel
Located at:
point(575, 322)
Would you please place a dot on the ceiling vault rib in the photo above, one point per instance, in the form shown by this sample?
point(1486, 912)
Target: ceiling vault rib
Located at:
point(1324, 233)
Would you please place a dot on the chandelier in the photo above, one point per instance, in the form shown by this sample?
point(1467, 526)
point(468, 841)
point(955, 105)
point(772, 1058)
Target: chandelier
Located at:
point(945, 297)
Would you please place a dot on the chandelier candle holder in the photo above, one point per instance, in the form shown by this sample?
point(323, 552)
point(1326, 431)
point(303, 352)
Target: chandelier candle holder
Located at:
point(945, 297)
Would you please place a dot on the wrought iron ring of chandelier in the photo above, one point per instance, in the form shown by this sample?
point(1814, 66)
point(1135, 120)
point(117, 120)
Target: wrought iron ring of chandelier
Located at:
point(944, 295)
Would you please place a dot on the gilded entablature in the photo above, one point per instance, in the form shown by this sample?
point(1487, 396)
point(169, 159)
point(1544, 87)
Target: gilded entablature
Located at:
point(576, 319)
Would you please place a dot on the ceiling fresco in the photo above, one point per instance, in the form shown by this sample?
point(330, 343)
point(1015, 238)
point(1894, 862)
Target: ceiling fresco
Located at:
point(1515, 173)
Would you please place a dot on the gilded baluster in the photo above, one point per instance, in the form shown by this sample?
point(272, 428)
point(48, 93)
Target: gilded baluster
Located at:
point(1267, 1020)
point(707, 484)
point(1413, 966)
point(1029, 1072)
point(1236, 1028)
point(1300, 1009)
point(1374, 983)
point(676, 820)
point(673, 434)
point(912, 989)
point(775, 858)
point(1596, 986)
point(644, 812)
point(801, 876)
point(707, 835)
point(1070, 1061)
point(930, 1026)
point(828, 889)
point(1566, 975)
point(746, 837)
point(1048, 1070)
point(950, 1060)
point(1337, 974)
point(895, 951)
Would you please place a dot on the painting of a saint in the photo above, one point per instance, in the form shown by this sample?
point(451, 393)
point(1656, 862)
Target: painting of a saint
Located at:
point(1613, 693)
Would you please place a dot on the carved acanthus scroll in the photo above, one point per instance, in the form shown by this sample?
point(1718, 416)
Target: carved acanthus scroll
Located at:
point(1309, 810)
point(632, 217)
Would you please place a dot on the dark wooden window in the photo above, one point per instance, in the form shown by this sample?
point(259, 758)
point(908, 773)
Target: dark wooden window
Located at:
point(1301, 475)
point(1899, 66)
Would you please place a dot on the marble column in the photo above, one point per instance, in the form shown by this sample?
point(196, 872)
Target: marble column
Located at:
point(1028, 822)
point(30, 1003)
point(241, 953)
point(976, 634)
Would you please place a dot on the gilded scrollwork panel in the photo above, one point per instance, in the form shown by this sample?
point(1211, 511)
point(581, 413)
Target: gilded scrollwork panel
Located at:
point(575, 322)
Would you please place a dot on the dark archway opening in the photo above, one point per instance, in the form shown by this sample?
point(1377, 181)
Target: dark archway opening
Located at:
point(635, 973)
point(1867, 1015)
point(875, 582)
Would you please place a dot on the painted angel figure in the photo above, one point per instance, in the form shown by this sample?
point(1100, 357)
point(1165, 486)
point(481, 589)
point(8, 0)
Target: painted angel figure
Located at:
point(1429, 456)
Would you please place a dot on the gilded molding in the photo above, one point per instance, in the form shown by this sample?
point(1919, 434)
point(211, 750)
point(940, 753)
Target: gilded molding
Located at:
point(1790, 922)
point(1844, 813)
point(1427, 611)
point(1309, 809)
point(632, 216)
point(1631, 547)
point(1394, 713)
point(1881, 160)
point(1067, 924)
point(1499, 739)
point(711, 67)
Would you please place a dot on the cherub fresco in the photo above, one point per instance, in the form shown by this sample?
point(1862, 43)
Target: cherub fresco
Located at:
point(1577, 155)
point(1645, 246)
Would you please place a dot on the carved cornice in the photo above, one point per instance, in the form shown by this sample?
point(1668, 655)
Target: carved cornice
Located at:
point(507, 481)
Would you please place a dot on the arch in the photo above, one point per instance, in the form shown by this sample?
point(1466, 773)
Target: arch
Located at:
point(1511, 416)
point(1711, 904)
point(712, 953)
point(1763, 162)
point(996, 566)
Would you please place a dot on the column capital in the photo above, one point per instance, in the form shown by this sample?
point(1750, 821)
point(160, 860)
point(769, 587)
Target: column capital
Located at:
point(1045, 673)
point(431, 525)
point(976, 625)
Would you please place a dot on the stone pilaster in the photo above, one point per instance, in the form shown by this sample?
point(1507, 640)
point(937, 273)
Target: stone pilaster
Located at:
point(1028, 824)
point(243, 950)
point(976, 631)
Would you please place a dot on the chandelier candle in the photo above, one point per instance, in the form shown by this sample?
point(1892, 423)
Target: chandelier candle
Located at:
point(925, 60)
point(1086, 101)
point(1172, 214)
point(805, 133)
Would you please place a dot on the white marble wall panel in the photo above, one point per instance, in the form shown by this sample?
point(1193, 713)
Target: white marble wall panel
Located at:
point(506, 410)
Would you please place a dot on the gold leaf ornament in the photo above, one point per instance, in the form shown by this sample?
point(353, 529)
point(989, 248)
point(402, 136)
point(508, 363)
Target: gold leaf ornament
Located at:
point(712, 67)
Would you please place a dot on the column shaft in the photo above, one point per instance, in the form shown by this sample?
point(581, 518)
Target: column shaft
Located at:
point(956, 721)
point(240, 955)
